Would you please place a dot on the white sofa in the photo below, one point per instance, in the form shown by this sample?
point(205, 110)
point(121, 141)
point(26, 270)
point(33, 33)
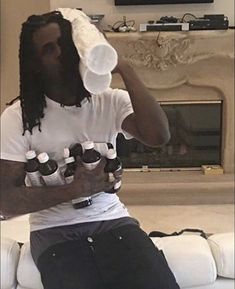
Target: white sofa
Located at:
point(197, 263)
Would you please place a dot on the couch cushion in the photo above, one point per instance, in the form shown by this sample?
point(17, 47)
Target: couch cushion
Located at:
point(222, 246)
point(27, 273)
point(220, 283)
point(10, 252)
point(190, 259)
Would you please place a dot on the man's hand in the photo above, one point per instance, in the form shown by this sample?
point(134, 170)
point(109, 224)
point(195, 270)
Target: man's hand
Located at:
point(94, 181)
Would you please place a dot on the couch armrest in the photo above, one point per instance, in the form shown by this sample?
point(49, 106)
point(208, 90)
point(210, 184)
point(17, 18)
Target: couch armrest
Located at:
point(10, 252)
point(222, 246)
point(27, 273)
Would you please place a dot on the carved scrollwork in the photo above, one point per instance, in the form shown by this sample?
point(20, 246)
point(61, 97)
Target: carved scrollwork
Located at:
point(162, 53)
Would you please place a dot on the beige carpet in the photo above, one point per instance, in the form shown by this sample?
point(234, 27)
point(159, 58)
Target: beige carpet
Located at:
point(210, 218)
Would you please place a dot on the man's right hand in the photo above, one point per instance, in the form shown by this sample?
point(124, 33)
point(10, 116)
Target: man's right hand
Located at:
point(92, 181)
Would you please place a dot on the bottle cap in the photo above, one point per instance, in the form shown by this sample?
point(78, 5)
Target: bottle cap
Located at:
point(30, 155)
point(69, 160)
point(43, 158)
point(87, 145)
point(109, 145)
point(111, 154)
point(66, 152)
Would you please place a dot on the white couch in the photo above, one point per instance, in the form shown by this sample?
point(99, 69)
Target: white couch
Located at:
point(197, 263)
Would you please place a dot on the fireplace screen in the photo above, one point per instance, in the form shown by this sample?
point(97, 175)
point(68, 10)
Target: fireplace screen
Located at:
point(195, 139)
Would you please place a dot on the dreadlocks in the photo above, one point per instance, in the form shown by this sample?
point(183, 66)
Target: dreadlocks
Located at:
point(32, 92)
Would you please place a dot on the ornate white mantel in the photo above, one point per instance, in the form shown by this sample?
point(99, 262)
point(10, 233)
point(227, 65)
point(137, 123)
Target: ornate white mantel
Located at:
point(195, 65)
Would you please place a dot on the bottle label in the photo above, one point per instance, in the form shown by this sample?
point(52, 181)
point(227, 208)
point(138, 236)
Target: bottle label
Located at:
point(117, 186)
point(69, 180)
point(119, 168)
point(91, 166)
point(54, 179)
point(35, 179)
point(79, 200)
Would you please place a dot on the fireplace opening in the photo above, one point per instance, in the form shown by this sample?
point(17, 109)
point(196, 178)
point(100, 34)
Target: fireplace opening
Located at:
point(196, 130)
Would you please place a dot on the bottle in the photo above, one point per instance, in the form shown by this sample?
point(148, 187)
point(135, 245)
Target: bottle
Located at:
point(50, 171)
point(70, 170)
point(113, 165)
point(109, 145)
point(32, 169)
point(90, 157)
point(81, 202)
point(74, 150)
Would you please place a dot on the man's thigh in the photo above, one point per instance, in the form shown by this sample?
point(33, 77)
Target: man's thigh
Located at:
point(123, 258)
point(69, 265)
point(129, 259)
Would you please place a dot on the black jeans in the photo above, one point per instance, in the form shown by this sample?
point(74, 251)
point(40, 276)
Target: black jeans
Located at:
point(123, 258)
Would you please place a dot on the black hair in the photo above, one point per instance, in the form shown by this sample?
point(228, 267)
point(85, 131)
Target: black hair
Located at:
point(32, 93)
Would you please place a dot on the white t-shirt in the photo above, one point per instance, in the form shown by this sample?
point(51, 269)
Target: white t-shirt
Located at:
point(99, 120)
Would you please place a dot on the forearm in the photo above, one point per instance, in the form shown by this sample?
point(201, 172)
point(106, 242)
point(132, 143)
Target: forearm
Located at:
point(20, 200)
point(16, 199)
point(151, 121)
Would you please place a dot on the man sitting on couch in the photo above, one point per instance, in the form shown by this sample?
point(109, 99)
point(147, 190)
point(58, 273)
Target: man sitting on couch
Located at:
point(98, 246)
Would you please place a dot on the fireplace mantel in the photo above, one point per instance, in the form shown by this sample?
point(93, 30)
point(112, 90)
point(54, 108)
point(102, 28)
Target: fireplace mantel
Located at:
point(193, 65)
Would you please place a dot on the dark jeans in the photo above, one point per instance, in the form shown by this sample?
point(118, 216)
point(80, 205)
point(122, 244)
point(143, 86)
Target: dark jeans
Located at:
point(122, 258)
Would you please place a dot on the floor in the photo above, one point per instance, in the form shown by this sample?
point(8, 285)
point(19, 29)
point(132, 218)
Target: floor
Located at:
point(168, 219)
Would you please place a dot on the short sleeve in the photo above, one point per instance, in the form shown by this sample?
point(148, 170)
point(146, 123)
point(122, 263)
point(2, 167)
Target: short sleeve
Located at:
point(123, 108)
point(13, 144)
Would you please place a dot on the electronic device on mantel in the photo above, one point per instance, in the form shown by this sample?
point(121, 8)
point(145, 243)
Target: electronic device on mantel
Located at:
point(207, 22)
point(161, 2)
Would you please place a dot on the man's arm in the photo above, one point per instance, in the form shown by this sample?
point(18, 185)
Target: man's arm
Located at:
point(16, 199)
point(148, 123)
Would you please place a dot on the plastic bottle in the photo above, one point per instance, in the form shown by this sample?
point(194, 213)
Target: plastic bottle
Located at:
point(109, 145)
point(74, 150)
point(32, 169)
point(90, 157)
point(70, 170)
point(113, 165)
point(81, 202)
point(49, 170)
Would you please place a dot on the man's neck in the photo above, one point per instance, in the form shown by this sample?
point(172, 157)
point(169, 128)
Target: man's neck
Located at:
point(61, 95)
point(64, 94)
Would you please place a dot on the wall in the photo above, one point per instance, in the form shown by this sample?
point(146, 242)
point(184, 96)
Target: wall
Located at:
point(149, 12)
point(13, 13)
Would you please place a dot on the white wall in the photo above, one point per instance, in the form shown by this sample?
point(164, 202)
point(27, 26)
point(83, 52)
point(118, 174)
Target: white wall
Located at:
point(149, 12)
point(13, 13)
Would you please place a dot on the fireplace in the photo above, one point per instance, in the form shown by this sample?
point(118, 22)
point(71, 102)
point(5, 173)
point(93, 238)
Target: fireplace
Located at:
point(184, 67)
point(195, 129)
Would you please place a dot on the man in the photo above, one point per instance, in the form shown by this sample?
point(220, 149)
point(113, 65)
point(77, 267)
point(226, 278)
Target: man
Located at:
point(99, 246)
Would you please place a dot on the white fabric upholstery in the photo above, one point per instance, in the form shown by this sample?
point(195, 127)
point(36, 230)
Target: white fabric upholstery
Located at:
point(27, 274)
point(222, 246)
point(190, 259)
point(219, 284)
point(10, 252)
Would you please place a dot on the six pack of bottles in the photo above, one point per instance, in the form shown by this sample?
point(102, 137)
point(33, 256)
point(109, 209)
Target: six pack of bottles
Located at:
point(43, 171)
